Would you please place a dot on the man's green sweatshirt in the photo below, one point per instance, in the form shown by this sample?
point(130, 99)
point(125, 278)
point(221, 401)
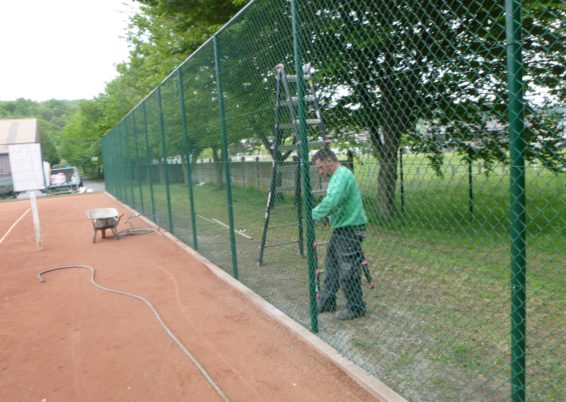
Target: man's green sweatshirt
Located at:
point(343, 201)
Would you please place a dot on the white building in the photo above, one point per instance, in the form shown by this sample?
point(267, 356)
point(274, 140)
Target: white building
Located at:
point(12, 132)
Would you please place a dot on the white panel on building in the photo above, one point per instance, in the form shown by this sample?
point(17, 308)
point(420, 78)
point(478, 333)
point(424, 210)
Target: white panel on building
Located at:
point(26, 166)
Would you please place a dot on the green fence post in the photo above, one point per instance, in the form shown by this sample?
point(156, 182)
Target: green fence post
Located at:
point(225, 156)
point(305, 165)
point(137, 173)
point(243, 169)
point(164, 149)
point(129, 164)
point(122, 164)
point(112, 163)
point(299, 202)
point(108, 165)
point(116, 163)
point(401, 179)
point(188, 158)
point(107, 171)
point(470, 183)
point(148, 162)
point(257, 172)
point(518, 206)
point(103, 151)
point(114, 145)
point(119, 164)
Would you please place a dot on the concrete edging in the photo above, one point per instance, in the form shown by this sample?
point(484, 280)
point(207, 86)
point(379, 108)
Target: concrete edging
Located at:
point(365, 380)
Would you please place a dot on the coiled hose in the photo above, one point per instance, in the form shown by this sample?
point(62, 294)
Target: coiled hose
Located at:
point(155, 312)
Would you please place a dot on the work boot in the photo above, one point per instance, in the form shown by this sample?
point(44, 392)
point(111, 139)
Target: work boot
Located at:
point(344, 315)
point(325, 308)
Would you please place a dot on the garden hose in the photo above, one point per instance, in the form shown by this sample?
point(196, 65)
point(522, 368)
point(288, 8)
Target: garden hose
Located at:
point(136, 231)
point(155, 312)
point(132, 230)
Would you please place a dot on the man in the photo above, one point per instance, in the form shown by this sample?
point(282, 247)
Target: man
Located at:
point(343, 206)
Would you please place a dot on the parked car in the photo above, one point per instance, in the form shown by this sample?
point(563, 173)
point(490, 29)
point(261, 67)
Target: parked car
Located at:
point(6, 185)
point(67, 179)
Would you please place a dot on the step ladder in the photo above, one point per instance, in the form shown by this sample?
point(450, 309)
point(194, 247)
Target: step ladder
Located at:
point(286, 140)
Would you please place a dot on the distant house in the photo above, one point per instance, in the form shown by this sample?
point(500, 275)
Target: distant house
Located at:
point(14, 131)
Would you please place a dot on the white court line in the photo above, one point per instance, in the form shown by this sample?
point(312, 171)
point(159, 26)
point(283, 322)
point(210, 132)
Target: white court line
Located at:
point(14, 225)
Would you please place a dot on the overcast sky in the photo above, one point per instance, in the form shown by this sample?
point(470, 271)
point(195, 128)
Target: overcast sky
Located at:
point(61, 49)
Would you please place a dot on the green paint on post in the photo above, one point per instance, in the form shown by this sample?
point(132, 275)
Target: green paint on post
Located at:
point(305, 167)
point(518, 207)
point(401, 180)
point(148, 163)
point(470, 184)
point(164, 149)
point(137, 174)
point(129, 164)
point(187, 156)
point(123, 170)
point(225, 156)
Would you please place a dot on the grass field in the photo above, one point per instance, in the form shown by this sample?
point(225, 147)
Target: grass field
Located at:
point(439, 318)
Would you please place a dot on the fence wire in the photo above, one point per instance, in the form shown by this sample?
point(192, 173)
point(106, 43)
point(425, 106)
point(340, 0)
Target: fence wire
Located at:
point(451, 116)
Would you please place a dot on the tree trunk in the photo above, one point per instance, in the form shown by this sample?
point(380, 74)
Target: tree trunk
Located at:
point(162, 167)
point(387, 178)
point(218, 166)
point(390, 121)
point(185, 169)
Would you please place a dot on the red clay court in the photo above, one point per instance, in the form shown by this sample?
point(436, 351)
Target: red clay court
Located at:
point(66, 340)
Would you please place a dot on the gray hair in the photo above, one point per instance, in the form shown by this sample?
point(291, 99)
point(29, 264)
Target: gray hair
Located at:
point(323, 154)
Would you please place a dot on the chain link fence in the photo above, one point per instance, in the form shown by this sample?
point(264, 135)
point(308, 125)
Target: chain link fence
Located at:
point(451, 116)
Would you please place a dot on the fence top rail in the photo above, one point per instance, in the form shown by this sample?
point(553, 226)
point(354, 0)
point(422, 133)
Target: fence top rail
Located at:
point(219, 31)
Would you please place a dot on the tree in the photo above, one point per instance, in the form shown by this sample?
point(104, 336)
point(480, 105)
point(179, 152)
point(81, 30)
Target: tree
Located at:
point(52, 116)
point(440, 65)
point(205, 14)
point(433, 72)
point(79, 141)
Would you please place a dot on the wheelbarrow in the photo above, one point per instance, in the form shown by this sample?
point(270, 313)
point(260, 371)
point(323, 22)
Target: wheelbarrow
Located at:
point(102, 219)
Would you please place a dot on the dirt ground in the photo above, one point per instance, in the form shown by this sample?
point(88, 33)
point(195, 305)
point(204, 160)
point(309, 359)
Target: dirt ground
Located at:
point(65, 340)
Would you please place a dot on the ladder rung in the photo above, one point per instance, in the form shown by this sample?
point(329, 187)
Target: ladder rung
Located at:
point(295, 100)
point(293, 78)
point(309, 122)
point(311, 144)
point(318, 143)
point(283, 206)
point(283, 243)
point(286, 125)
point(285, 188)
point(286, 147)
point(316, 192)
point(314, 121)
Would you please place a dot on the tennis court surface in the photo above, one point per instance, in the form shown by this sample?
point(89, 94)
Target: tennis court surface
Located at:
point(67, 340)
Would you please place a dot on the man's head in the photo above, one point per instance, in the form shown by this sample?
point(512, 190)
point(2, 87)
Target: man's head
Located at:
point(326, 162)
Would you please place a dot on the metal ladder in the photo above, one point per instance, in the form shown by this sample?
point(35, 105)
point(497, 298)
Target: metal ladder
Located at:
point(281, 149)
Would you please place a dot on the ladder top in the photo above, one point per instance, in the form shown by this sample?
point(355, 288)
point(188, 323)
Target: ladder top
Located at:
point(295, 100)
point(307, 72)
point(287, 147)
point(293, 78)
